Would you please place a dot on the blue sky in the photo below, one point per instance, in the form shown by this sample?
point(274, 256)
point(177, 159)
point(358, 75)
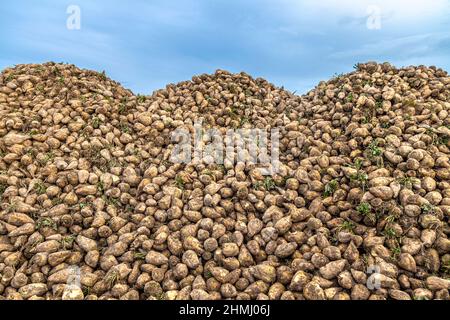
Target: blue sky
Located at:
point(293, 43)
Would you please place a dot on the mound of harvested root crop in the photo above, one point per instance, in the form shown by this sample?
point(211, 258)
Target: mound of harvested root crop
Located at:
point(93, 207)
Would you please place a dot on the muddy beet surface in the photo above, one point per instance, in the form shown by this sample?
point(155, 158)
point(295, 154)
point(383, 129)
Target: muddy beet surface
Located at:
point(93, 208)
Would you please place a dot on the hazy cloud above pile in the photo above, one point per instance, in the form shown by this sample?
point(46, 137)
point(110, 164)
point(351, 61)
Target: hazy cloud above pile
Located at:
point(292, 43)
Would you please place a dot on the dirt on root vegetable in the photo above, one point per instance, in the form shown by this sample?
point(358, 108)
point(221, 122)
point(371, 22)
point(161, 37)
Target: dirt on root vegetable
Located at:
point(92, 207)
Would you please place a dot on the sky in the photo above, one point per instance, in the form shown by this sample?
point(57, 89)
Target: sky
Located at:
point(145, 45)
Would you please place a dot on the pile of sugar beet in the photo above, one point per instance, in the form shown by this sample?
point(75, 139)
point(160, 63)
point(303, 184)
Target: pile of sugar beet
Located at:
point(93, 208)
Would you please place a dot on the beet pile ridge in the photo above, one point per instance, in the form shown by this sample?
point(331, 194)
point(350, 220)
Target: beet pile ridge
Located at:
point(92, 207)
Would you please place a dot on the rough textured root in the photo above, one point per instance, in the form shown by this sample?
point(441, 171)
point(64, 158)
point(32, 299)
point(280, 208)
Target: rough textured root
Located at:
point(92, 207)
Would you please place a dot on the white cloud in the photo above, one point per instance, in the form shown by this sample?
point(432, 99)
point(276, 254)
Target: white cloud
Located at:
point(397, 11)
point(416, 45)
